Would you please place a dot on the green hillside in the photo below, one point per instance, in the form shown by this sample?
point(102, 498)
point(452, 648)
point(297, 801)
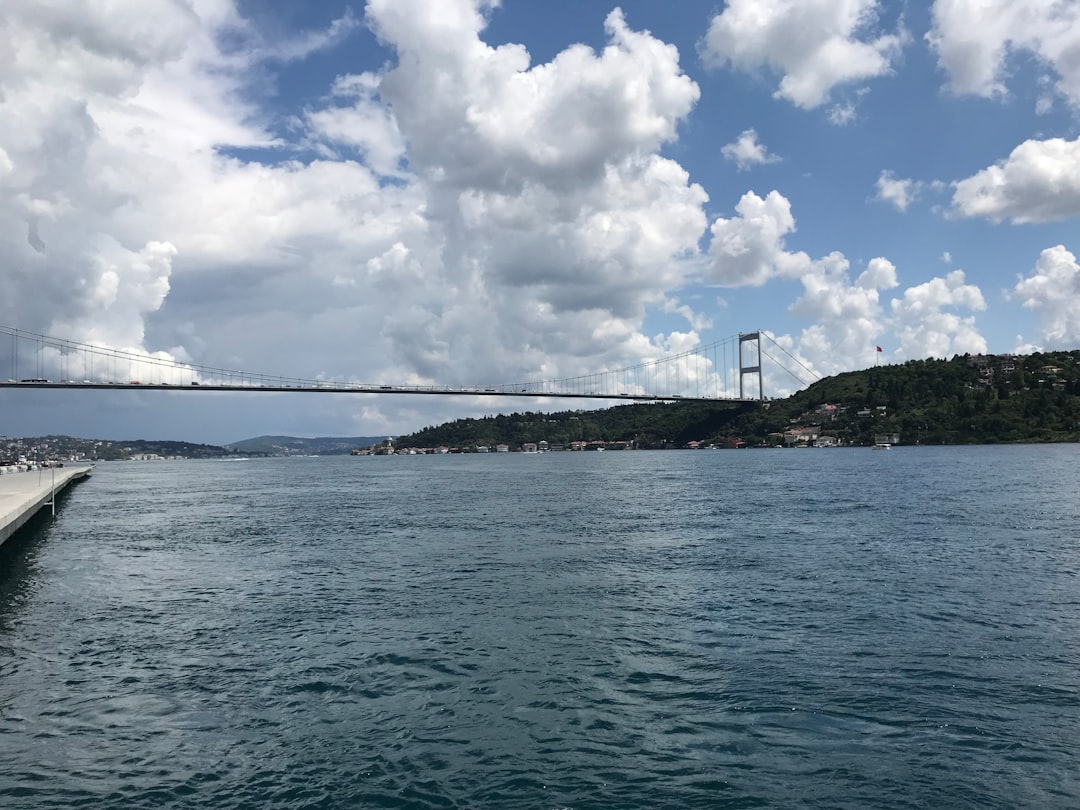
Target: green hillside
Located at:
point(965, 400)
point(648, 425)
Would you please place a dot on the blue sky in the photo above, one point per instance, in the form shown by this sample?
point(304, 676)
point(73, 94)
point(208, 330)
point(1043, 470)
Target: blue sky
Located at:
point(468, 192)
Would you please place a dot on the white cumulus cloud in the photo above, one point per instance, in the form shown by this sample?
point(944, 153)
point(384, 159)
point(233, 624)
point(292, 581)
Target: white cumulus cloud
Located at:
point(543, 184)
point(898, 192)
point(749, 249)
point(816, 45)
point(1052, 291)
point(928, 318)
point(747, 151)
point(848, 317)
point(528, 224)
point(1038, 182)
point(974, 39)
point(364, 124)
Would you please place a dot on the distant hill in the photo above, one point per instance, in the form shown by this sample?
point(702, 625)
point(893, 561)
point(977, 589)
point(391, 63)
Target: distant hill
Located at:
point(63, 447)
point(970, 399)
point(295, 446)
point(646, 425)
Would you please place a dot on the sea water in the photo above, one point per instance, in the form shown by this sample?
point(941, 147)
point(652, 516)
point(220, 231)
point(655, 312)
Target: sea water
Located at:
point(714, 629)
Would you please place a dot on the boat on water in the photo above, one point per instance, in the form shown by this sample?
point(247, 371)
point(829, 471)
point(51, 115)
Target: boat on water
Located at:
point(885, 441)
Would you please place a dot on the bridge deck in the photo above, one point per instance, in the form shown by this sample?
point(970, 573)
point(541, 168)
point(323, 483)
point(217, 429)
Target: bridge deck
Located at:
point(345, 388)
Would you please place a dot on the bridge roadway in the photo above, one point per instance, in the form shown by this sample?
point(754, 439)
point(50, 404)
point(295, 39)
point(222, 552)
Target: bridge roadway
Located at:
point(345, 388)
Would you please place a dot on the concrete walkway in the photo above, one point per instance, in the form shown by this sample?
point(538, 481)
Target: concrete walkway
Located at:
point(22, 494)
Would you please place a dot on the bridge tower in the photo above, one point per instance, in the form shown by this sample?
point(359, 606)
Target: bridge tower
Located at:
point(753, 338)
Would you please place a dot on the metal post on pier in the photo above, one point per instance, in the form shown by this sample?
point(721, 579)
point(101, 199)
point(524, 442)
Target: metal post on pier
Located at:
point(52, 489)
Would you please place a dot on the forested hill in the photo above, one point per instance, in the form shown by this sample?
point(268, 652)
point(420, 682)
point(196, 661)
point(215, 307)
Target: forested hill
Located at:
point(648, 425)
point(966, 400)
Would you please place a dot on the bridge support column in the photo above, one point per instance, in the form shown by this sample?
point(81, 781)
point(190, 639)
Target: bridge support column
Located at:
point(754, 368)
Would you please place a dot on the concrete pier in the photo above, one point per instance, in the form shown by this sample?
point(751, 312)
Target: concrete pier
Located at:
point(22, 494)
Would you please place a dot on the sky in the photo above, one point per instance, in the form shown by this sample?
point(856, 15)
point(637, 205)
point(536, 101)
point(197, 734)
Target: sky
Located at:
point(470, 192)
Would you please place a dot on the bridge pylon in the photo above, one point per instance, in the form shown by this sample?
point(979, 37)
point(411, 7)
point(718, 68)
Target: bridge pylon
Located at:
point(755, 363)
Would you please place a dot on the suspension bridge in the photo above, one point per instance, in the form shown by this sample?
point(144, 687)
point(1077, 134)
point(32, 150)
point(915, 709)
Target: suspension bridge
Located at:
point(728, 370)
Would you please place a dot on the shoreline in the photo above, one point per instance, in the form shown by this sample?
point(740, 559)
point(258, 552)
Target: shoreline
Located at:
point(23, 494)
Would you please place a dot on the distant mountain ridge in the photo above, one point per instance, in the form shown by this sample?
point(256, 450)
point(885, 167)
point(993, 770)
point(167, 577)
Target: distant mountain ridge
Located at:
point(296, 446)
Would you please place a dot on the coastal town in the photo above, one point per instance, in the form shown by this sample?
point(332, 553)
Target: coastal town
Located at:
point(389, 448)
point(43, 450)
point(810, 429)
point(23, 455)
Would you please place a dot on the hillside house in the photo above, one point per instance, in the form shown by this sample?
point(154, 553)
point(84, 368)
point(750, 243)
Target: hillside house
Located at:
point(803, 436)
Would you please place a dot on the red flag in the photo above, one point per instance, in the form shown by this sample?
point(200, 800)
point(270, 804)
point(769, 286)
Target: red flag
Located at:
point(879, 348)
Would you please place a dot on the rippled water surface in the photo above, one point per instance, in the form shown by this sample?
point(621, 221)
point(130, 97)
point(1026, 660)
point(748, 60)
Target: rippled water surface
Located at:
point(832, 628)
